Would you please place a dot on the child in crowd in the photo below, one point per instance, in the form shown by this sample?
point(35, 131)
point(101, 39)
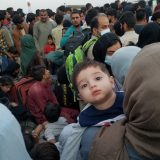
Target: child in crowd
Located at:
point(45, 151)
point(54, 124)
point(50, 46)
point(94, 85)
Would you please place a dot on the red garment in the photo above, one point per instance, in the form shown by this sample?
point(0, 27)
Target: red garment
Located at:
point(48, 48)
point(38, 96)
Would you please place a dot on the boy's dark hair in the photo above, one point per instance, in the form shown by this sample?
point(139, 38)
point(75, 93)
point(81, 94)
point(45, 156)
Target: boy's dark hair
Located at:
point(140, 14)
point(6, 80)
point(17, 19)
point(50, 36)
point(37, 72)
point(128, 18)
point(84, 65)
point(52, 112)
point(58, 19)
point(45, 151)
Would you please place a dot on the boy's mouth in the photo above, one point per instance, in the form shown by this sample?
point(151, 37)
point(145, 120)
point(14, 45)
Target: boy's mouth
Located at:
point(96, 92)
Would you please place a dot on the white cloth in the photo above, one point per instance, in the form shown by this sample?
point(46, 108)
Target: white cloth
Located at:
point(129, 36)
point(53, 130)
point(12, 145)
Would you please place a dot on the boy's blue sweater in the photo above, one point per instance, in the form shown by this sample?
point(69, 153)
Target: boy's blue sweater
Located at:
point(91, 116)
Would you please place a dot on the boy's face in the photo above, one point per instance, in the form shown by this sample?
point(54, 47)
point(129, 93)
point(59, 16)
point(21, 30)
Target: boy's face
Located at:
point(50, 42)
point(6, 88)
point(94, 86)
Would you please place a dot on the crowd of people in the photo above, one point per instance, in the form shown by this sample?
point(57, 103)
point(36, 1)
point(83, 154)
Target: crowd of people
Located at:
point(80, 84)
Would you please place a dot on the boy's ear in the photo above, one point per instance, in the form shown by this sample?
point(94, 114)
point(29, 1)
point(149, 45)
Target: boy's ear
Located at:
point(112, 81)
point(79, 97)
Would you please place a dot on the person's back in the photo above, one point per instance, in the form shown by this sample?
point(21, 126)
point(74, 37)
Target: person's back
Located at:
point(57, 31)
point(128, 22)
point(55, 123)
point(40, 93)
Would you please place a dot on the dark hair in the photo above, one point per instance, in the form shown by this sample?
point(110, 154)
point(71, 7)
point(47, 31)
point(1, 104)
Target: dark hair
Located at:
point(82, 66)
point(88, 6)
point(68, 9)
point(37, 72)
point(75, 12)
point(30, 17)
point(140, 14)
point(128, 18)
point(6, 80)
point(13, 50)
point(43, 10)
point(52, 112)
point(149, 34)
point(50, 12)
point(90, 15)
point(59, 18)
point(50, 36)
point(45, 151)
point(61, 8)
point(2, 16)
point(102, 44)
point(17, 19)
point(29, 141)
point(37, 12)
point(142, 3)
point(112, 12)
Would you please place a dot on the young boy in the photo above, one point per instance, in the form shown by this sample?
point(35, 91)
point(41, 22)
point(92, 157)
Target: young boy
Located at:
point(94, 85)
point(55, 123)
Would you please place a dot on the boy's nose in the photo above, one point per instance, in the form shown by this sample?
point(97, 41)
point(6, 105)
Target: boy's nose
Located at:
point(92, 85)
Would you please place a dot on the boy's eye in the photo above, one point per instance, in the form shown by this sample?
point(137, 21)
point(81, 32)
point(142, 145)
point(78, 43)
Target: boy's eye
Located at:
point(98, 78)
point(83, 86)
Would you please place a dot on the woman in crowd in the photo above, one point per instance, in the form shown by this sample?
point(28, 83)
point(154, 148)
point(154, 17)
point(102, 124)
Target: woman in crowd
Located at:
point(137, 136)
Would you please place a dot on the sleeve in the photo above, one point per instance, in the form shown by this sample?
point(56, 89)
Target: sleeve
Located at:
point(36, 105)
point(35, 35)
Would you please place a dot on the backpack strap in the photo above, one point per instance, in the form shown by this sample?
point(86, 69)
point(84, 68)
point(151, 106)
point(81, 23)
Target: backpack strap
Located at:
point(87, 45)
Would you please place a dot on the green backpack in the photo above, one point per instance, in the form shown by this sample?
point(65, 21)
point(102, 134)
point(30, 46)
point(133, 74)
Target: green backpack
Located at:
point(77, 56)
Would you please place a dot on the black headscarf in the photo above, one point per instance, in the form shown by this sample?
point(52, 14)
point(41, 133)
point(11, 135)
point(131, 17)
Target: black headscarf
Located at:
point(149, 34)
